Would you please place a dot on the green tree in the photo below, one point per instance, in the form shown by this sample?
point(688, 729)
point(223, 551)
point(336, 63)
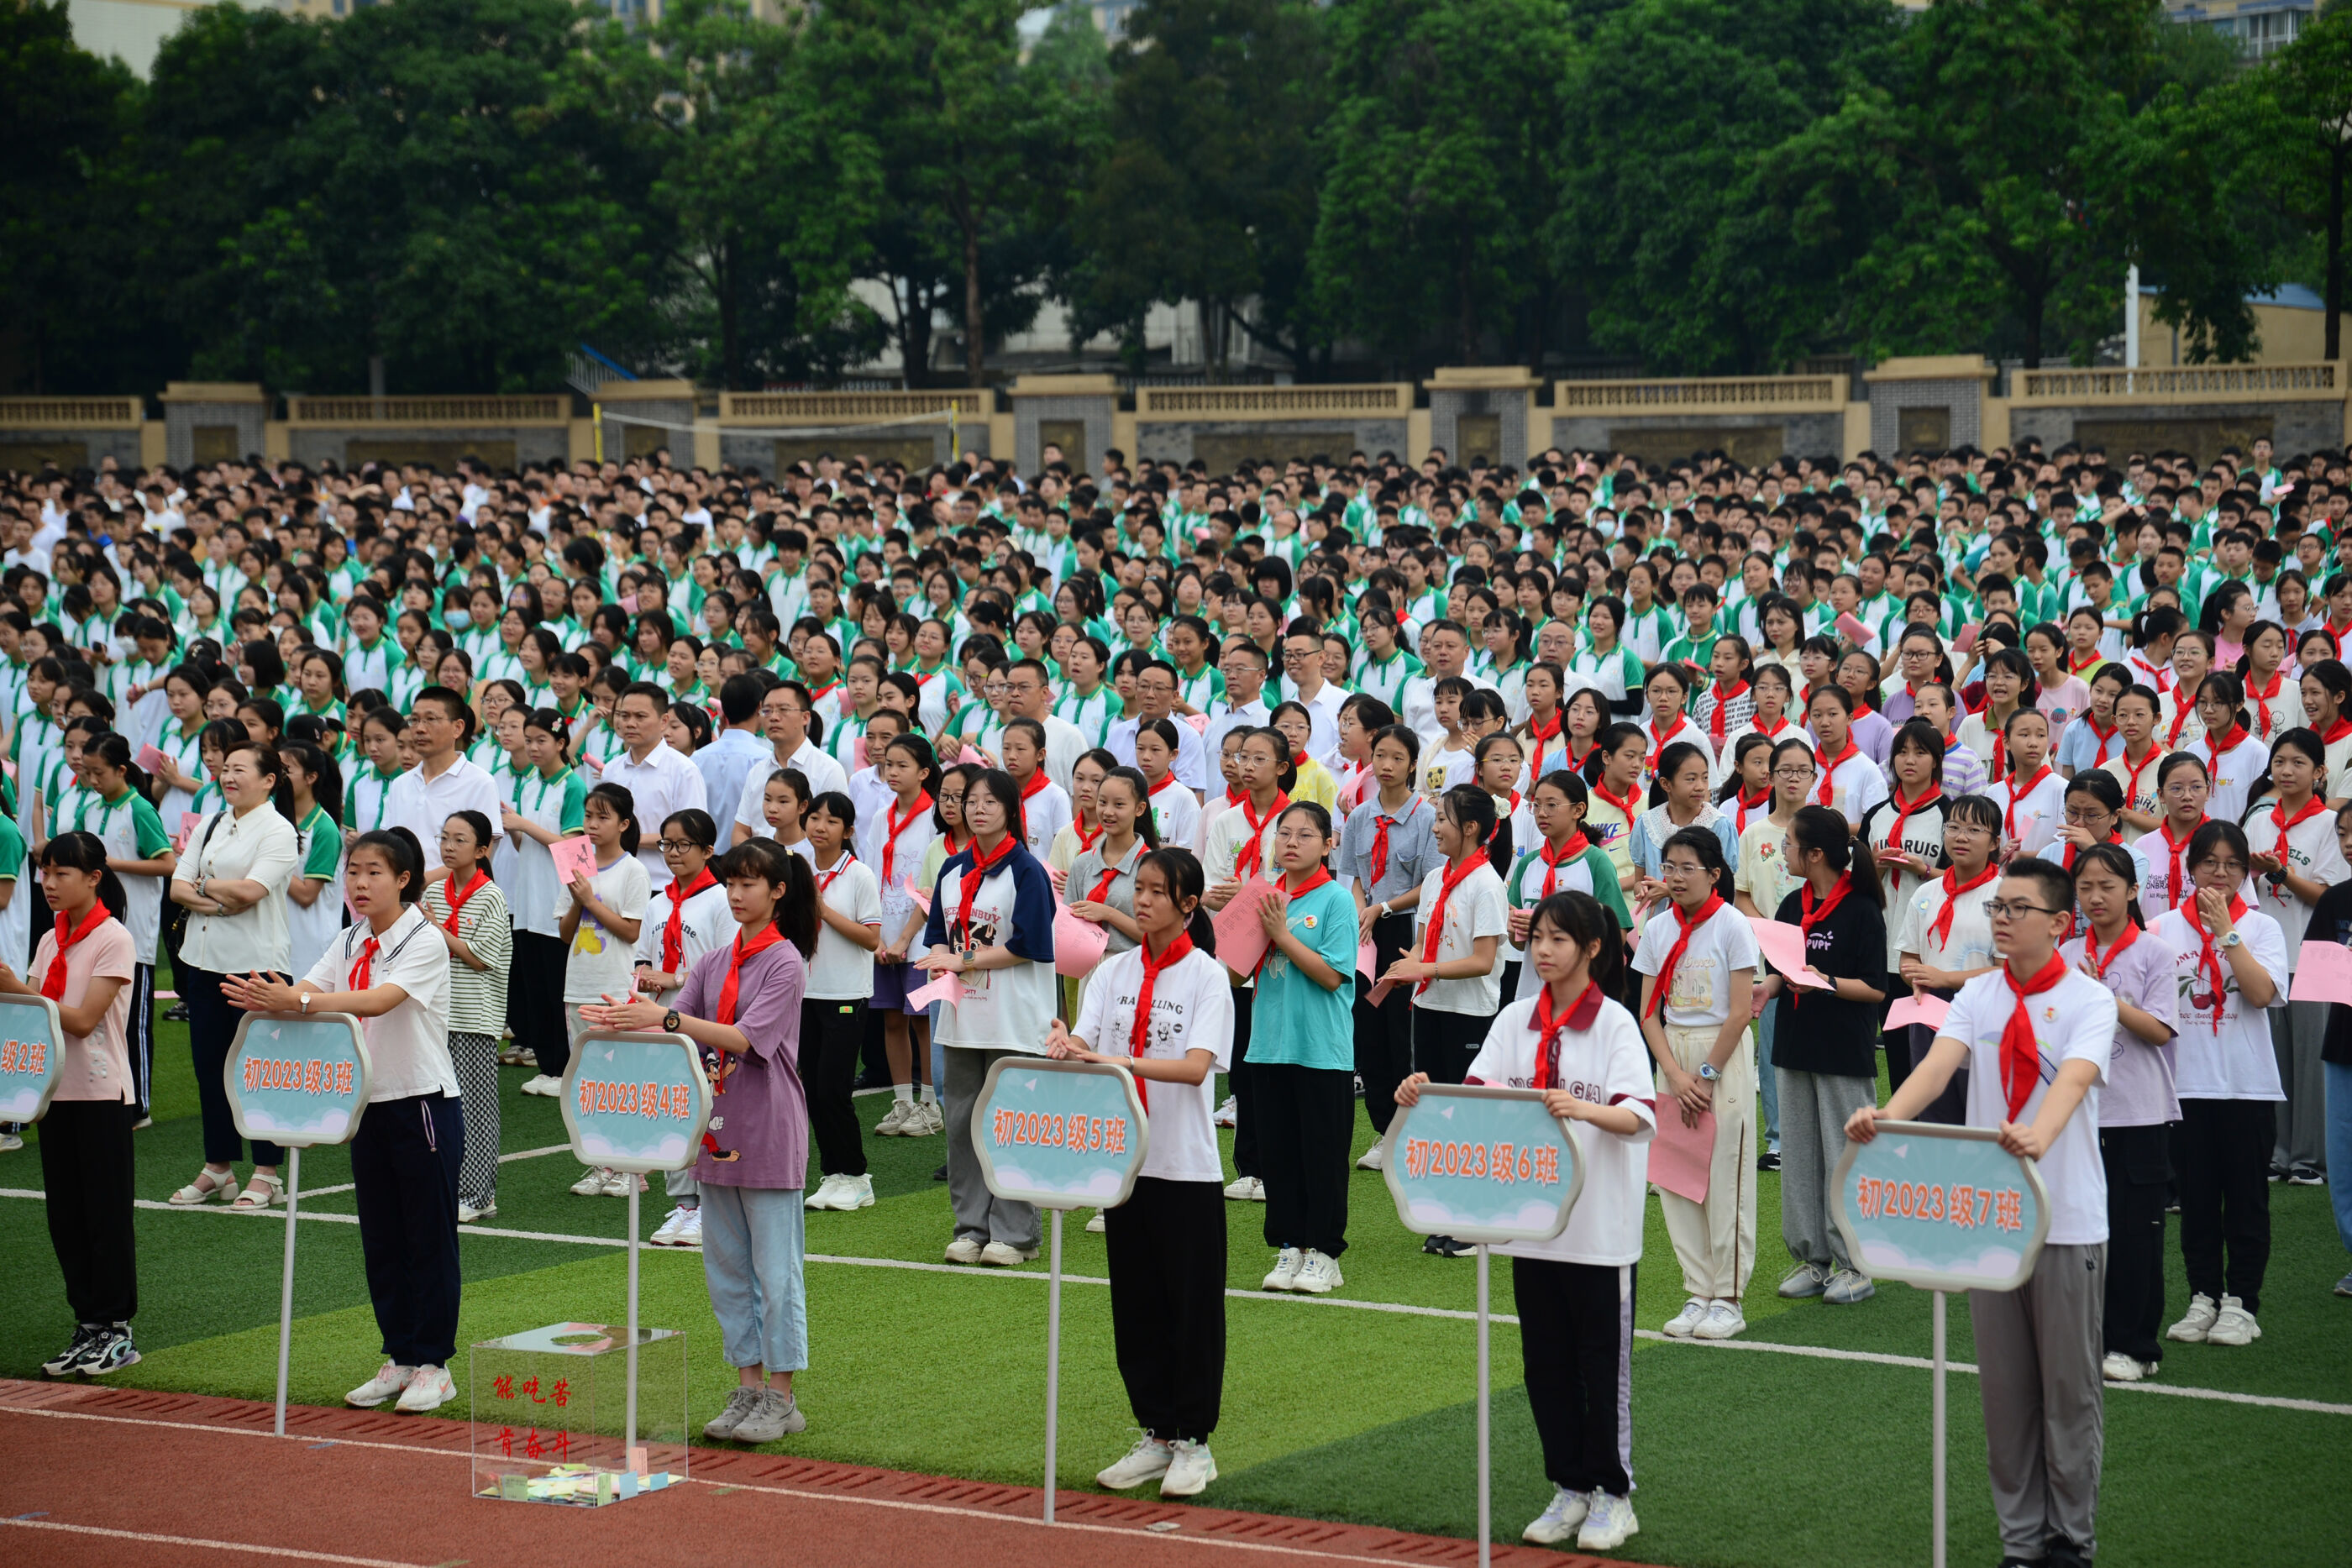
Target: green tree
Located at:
point(1209, 188)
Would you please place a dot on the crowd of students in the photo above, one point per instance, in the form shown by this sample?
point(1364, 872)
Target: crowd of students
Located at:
point(1548, 744)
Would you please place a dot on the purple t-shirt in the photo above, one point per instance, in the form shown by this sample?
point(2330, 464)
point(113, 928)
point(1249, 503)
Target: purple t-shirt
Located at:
point(758, 1112)
point(2138, 1091)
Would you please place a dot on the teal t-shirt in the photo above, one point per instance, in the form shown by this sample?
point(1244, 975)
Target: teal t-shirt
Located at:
point(1295, 1021)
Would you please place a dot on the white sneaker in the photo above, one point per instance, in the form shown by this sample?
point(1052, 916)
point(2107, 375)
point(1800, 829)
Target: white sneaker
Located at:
point(430, 1389)
point(618, 1183)
point(1723, 1319)
point(1147, 1459)
point(2117, 1367)
point(468, 1213)
point(665, 1234)
point(10, 1143)
point(894, 1121)
point(591, 1183)
point(1318, 1275)
point(1607, 1523)
point(1286, 1271)
point(1680, 1325)
point(1239, 1187)
point(1559, 1522)
point(1227, 1114)
point(2233, 1325)
point(544, 1086)
point(854, 1192)
point(1003, 1255)
point(935, 1120)
point(389, 1379)
point(1097, 1224)
point(965, 1250)
point(1373, 1158)
point(690, 1233)
point(1191, 1468)
point(824, 1196)
point(2193, 1328)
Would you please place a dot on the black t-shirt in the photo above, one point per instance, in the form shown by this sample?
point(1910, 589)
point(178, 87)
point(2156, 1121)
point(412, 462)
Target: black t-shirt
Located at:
point(1823, 1033)
point(2331, 921)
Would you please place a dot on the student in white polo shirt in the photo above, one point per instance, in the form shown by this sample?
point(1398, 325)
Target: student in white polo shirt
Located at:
point(1575, 1292)
point(834, 1011)
point(391, 969)
point(2035, 1035)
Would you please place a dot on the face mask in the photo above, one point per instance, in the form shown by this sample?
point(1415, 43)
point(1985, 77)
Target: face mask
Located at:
point(457, 619)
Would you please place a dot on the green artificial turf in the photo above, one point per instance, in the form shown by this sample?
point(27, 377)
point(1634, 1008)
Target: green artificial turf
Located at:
point(1743, 1457)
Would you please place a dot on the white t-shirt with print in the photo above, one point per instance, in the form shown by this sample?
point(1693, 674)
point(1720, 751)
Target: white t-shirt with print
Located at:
point(1717, 969)
point(1192, 1009)
point(1045, 814)
point(2075, 1020)
point(599, 963)
point(2040, 811)
point(1478, 908)
point(1856, 785)
point(2224, 1054)
point(1967, 945)
point(706, 925)
point(2312, 851)
point(1011, 1009)
point(842, 970)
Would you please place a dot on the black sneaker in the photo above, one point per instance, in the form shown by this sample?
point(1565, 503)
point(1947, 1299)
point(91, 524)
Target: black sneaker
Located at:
point(1446, 1247)
point(112, 1351)
point(2060, 1552)
point(2303, 1173)
point(177, 1013)
point(940, 1174)
point(2278, 1173)
point(1770, 1160)
point(66, 1359)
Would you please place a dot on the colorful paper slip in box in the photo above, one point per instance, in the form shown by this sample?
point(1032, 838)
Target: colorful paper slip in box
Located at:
point(32, 1057)
point(636, 1101)
point(1944, 1208)
point(1060, 1134)
point(1482, 1164)
point(298, 1078)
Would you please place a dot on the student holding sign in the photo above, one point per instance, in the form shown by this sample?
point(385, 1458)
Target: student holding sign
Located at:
point(1165, 1013)
point(1575, 1292)
point(86, 966)
point(2036, 1035)
point(390, 970)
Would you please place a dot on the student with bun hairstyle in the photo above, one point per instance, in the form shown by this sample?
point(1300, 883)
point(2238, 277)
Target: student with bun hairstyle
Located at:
point(390, 970)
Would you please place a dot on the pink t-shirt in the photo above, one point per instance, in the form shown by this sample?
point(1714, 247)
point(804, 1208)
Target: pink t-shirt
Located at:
point(98, 1066)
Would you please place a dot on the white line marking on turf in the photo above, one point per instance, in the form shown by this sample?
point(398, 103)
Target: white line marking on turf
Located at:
point(247, 1546)
point(503, 1159)
point(1818, 1353)
point(1060, 1527)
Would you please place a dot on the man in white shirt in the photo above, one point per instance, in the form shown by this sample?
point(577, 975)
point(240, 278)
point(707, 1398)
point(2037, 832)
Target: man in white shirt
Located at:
point(1244, 665)
point(741, 748)
point(1155, 697)
point(659, 780)
point(423, 799)
point(1303, 683)
point(785, 710)
point(1445, 649)
point(1029, 694)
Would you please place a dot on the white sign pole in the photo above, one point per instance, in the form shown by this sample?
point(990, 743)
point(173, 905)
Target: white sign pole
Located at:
point(1053, 1352)
point(1485, 1465)
point(629, 1441)
point(1940, 1297)
point(286, 1286)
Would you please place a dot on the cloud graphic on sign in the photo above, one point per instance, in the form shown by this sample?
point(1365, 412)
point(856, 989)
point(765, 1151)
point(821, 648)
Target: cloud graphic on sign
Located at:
point(672, 1148)
point(1101, 1182)
point(1994, 1262)
point(18, 1107)
point(329, 1125)
point(1438, 1217)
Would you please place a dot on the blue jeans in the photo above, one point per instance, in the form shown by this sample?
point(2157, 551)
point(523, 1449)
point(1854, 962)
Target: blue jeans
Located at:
point(2339, 1148)
point(753, 1240)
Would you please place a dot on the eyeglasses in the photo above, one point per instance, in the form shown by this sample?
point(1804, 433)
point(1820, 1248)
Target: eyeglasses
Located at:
point(1999, 909)
point(2229, 869)
point(676, 846)
point(2090, 819)
point(1794, 772)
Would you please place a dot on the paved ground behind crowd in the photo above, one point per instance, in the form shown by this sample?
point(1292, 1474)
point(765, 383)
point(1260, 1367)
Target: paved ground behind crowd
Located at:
point(1804, 1444)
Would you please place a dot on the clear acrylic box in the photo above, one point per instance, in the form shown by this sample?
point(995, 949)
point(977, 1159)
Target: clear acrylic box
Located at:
point(551, 1405)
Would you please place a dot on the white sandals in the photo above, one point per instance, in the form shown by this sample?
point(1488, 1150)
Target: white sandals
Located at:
point(209, 1184)
point(260, 1192)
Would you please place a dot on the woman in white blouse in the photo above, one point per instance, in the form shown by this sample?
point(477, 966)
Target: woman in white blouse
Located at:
point(232, 882)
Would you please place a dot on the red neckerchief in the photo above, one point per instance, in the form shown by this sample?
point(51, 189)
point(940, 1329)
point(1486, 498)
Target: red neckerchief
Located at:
point(1568, 848)
point(1029, 791)
point(1688, 924)
point(2262, 696)
point(1809, 915)
point(363, 971)
point(2099, 967)
point(981, 866)
point(1235, 796)
point(1659, 750)
point(2018, 792)
point(894, 824)
point(1109, 876)
point(1165, 780)
point(2076, 665)
point(53, 984)
point(2134, 770)
point(1830, 768)
point(2106, 736)
point(2285, 824)
point(1298, 759)
point(673, 929)
point(1625, 805)
point(2206, 958)
point(1902, 810)
point(1999, 768)
point(2067, 860)
point(1139, 1036)
point(2181, 712)
point(2175, 850)
point(1780, 725)
point(1548, 1025)
point(1940, 928)
point(1541, 733)
point(823, 692)
point(1380, 855)
point(1746, 805)
point(1250, 859)
point(1453, 879)
point(2336, 731)
point(1863, 708)
point(2021, 1059)
point(1722, 701)
point(839, 866)
point(738, 953)
point(457, 896)
point(2230, 742)
point(1087, 841)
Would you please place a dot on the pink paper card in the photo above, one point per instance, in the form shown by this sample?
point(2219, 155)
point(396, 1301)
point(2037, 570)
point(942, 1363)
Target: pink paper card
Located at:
point(921, 896)
point(1241, 940)
point(1930, 1011)
point(575, 858)
point(1077, 944)
point(857, 754)
point(1367, 956)
point(971, 758)
point(943, 989)
point(2323, 974)
point(1199, 721)
point(1679, 1155)
point(1060, 879)
point(1966, 638)
point(1380, 993)
point(1783, 947)
point(149, 758)
point(1853, 631)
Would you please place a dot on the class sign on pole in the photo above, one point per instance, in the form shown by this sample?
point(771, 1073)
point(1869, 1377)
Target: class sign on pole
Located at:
point(1062, 1136)
point(32, 1057)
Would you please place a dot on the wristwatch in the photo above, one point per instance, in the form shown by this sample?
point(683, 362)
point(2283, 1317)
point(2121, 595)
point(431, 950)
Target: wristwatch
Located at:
point(2234, 939)
point(669, 1022)
point(1707, 1072)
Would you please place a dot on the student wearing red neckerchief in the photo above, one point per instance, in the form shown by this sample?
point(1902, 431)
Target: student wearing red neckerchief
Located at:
point(2290, 834)
point(1770, 720)
point(1584, 1051)
point(1044, 805)
point(2134, 759)
point(741, 1008)
point(1613, 774)
point(1237, 845)
point(2326, 687)
point(1563, 859)
point(1385, 850)
point(1667, 693)
point(1943, 938)
point(1850, 782)
point(1084, 828)
point(2235, 756)
point(2035, 1035)
point(2182, 788)
point(2136, 1105)
point(834, 1012)
point(1761, 879)
point(2094, 736)
point(1906, 831)
point(470, 911)
point(1697, 959)
point(2031, 796)
point(1163, 1010)
point(2232, 963)
point(1825, 1042)
point(1858, 672)
point(893, 841)
point(1100, 886)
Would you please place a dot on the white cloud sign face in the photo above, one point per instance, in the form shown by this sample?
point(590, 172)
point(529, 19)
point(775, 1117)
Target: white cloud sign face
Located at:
point(1945, 1209)
point(636, 1101)
point(299, 1080)
point(1482, 1164)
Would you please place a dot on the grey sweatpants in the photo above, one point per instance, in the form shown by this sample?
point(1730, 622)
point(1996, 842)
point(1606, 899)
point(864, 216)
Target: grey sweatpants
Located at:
point(1814, 1111)
point(979, 1213)
point(2297, 1032)
point(2038, 1353)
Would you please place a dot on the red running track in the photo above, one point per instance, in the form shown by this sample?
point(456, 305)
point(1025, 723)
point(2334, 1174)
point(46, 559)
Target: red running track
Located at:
point(118, 1478)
